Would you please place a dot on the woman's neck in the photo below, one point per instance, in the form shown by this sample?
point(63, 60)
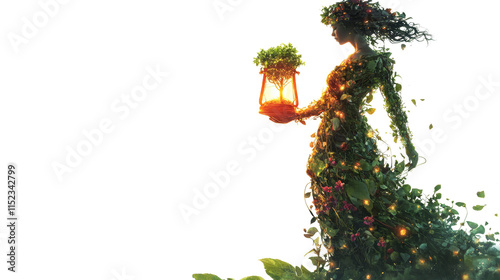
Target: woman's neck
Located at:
point(360, 44)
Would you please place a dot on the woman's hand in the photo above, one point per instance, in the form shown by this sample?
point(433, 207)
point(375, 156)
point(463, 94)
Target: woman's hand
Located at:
point(413, 155)
point(282, 118)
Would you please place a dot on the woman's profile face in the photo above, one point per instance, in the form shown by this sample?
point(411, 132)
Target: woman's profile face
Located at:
point(340, 33)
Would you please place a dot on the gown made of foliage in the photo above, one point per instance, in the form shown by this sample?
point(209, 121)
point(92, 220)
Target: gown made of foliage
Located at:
point(373, 225)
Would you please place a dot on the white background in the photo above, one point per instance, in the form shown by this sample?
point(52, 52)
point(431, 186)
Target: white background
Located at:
point(117, 215)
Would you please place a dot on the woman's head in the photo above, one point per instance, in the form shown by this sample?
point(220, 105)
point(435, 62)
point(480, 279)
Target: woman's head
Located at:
point(341, 33)
point(371, 21)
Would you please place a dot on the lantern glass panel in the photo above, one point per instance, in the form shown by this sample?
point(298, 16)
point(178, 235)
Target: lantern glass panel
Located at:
point(271, 93)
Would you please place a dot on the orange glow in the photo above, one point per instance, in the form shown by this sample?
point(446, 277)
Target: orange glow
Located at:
point(465, 277)
point(332, 264)
point(366, 202)
point(278, 97)
point(356, 166)
point(413, 251)
point(392, 207)
point(370, 134)
point(376, 169)
point(403, 232)
point(422, 261)
point(344, 246)
point(342, 87)
point(343, 163)
point(368, 276)
point(455, 253)
point(371, 228)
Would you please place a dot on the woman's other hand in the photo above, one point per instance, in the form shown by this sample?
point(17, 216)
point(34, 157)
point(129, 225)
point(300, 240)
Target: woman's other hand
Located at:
point(413, 155)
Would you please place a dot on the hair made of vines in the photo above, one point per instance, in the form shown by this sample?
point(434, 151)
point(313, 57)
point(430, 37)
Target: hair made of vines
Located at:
point(374, 22)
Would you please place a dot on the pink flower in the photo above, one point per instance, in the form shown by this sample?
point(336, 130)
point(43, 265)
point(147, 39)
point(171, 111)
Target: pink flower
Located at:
point(332, 162)
point(354, 236)
point(381, 242)
point(339, 186)
point(348, 206)
point(327, 189)
point(368, 221)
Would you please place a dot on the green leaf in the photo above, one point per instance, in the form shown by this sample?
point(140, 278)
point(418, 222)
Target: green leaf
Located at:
point(307, 195)
point(315, 261)
point(400, 167)
point(438, 196)
point(407, 189)
point(479, 230)
point(357, 189)
point(403, 46)
point(370, 66)
point(278, 270)
point(405, 257)
point(317, 166)
point(423, 246)
point(431, 126)
point(335, 124)
point(398, 87)
point(480, 194)
point(371, 111)
point(205, 276)
point(369, 98)
point(478, 207)
point(312, 230)
point(472, 224)
point(253, 278)
point(306, 273)
point(345, 96)
point(416, 193)
point(365, 165)
point(437, 188)
point(394, 256)
point(460, 204)
point(414, 102)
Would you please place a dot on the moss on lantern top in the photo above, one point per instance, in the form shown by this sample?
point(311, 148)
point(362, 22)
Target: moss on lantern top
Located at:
point(279, 62)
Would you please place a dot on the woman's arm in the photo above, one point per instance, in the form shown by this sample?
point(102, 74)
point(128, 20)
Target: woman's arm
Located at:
point(313, 109)
point(395, 110)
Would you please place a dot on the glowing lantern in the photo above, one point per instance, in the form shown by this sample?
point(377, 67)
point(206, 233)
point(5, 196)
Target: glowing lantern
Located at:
point(278, 96)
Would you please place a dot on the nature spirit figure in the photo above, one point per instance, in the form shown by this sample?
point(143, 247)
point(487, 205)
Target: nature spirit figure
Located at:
point(373, 225)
